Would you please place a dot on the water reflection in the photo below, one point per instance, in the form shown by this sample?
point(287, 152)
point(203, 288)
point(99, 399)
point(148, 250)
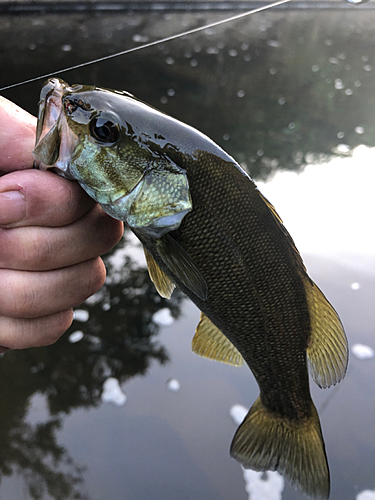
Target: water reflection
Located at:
point(329, 197)
point(115, 342)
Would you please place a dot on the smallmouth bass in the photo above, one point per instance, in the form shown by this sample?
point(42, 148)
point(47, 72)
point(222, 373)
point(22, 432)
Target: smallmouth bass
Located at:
point(206, 228)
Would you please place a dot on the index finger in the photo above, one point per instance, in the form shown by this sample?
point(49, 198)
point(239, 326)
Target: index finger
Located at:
point(46, 200)
point(17, 137)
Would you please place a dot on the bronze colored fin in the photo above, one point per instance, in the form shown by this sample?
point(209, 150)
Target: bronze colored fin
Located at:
point(265, 441)
point(327, 351)
point(181, 265)
point(163, 284)
point(211, 343)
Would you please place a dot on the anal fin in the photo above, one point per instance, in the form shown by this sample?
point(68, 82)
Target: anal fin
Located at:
point(211, 343)
point(327, 351)
point(163, 284)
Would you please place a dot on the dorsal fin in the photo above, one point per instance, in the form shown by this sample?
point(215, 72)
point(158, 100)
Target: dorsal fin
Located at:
point(211, 343)
point(163, 284)
point(327, 351)
point(181, 265)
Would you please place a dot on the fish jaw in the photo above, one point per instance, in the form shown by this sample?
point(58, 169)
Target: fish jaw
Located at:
point(55, 142)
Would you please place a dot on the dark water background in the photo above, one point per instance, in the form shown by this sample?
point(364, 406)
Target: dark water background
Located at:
point(290, 94)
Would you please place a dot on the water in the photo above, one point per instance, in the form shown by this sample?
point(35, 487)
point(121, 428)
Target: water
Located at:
point(119, 407)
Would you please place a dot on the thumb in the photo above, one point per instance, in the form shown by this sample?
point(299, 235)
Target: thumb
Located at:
point(17, 137)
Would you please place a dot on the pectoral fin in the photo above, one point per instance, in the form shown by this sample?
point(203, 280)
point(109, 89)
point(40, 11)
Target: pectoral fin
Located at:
point(181, 265)
point(211, 343)
point(163, 284)
point(328, 347)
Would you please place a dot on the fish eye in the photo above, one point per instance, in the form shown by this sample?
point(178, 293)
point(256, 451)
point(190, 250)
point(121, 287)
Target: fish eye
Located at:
point(104, 131)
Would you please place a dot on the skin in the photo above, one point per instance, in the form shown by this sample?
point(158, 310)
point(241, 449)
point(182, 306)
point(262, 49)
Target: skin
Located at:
point(51, 238)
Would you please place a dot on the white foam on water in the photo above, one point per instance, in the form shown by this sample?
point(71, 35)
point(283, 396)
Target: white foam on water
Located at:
point(238, 413)
point(259, 485)
point(362, 351)
point(366, 495)
point(173, 385)
point(75, 337)
point(112, 392)
point(81, 315)
point(263, 485)
point(163, 317)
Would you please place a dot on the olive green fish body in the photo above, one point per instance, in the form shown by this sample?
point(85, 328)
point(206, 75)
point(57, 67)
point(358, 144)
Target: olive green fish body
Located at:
point(255, 294)
point(206, 227)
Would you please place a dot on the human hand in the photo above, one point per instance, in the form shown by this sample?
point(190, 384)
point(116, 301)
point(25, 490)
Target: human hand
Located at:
point(51, 237)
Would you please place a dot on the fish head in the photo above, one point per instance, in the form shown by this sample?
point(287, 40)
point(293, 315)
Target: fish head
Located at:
point(108, 142)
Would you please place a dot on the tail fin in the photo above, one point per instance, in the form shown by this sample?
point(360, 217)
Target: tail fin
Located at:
point(295, 449)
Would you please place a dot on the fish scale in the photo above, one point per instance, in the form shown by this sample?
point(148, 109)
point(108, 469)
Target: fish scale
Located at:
point(265, 281)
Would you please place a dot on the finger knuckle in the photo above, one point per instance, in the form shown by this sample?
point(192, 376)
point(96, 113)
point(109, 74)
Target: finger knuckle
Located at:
point(96, 276)
point(23, 301)
point(58, 325)
point(92, 278)
point(38, 252)
point(21, 333)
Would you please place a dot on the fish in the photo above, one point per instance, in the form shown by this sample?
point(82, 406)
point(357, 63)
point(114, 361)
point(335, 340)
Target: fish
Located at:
point(206, 228)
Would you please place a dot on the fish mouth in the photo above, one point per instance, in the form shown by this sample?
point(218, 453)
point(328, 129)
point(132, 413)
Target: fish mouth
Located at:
point(55, 142)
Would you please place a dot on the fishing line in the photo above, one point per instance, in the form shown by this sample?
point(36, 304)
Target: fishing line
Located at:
point(150, 44)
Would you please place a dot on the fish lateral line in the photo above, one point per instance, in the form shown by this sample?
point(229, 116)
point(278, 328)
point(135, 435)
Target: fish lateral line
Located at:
point(147, 45)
